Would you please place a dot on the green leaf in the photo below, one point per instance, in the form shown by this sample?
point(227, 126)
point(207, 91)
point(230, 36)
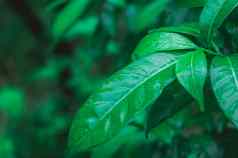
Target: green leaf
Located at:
point(191, 71)
point(68, 16)
point(149, 14)
point(191, 29)
point(6, 147)
point(171, 127)
point(162, 42)
point(172, 100)
point(213, 15)
point(164, 132)
point(50, 71)
point(224, 77)
point(129, 136)
point(126, 93)
point(12, 101)
point(84, 27)
point(53, 5)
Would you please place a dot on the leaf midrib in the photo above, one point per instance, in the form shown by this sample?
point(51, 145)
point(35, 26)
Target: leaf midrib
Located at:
point(131, 90)
point(216, 16)
point(233, 72)
point(192, 67)
point(213, 22)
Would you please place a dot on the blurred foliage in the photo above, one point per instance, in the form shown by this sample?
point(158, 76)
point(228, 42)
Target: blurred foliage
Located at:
point(54, 53)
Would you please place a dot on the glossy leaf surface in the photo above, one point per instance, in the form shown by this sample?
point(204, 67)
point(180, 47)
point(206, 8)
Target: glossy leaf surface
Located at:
point(224, 77)
point(213, 15)
point(123, 95)
point(162, 42)
point(191, 71)
point(68, 16)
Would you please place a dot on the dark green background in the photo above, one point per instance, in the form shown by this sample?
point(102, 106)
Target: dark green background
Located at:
point(44, 80)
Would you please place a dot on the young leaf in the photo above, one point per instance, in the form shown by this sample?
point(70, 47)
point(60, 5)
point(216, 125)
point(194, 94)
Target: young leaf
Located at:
point(68, 16)
point(149, 14)
point(192, 29)
point(118, 100)
point(224, 77)
point(191, 71)
point(213, 15)
point(162, 42)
